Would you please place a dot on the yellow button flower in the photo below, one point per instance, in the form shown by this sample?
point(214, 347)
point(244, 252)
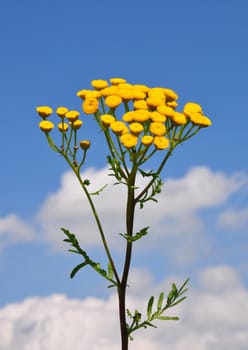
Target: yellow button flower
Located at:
point(157, 129)
point(165, 110)
point(63, 127)
point(119, 127)
point(201, 120)
point(99, 84)
point(110, 90)
point(61, 111)
point(155, 100)
point(141, 115)
point(44, 111)
point(113, 101)
point(179, 118)
point(129, 140)
point(46, 126)
point(84, 144)
point(128, 117)
point(117, 81)
point(140, 104)
point(90, 105)
point(157, 117)
point(191, 107)
point(161, 142)
point(172, 104)
point(77, 124)
point(170, 95)
point(72, 115)
point(136, 128)
point(147, 140)
point(107, 119)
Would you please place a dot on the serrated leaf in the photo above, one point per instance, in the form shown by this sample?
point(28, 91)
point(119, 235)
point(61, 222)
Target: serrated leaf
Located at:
point(149, 307)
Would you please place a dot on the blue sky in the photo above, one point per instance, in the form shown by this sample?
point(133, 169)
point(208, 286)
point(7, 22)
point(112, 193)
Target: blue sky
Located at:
point(52, 49)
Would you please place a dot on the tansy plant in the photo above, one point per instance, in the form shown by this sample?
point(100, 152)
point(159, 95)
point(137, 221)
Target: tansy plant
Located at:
point(137, 122)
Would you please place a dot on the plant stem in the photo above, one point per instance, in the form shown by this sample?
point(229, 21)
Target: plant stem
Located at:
point(130, 209)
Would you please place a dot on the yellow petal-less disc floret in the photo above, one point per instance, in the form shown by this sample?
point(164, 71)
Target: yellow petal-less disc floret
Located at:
point(165, 110)
point(129, 140)
point(157, 129)
point(136, 128)
point(128, 117)
point(170, 95)
point(141, 115)
point(46, 126)
point(161, 142)
point(179, 118)
point(157, 117)
point(44, 111)
point(113, 101)
point(199, 119)
point(84, 144)
point(107, 119)
point(140, 104)
point(63, 127)
point(61, 111)
point(77, 124)
point(119, 127)
point(90, 105)
point(192, 107)
point(147, 140)
point(99, 84)
point(117, 81)
point(72, 115)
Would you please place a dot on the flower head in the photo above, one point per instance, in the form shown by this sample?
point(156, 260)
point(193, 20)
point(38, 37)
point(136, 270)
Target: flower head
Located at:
point(107, 119)
point(161, 142)
point(84, 144)
point(72, 115)
point(157, 129)
point(46, 126)
point(76, 124)
point(136, 128)
point(61, 111)
point(179, 118)
point(113, 101)
point(129, 140)
point(90, 105)
point(117, 81)
point(147, 140)
point(119, 127)
point(99, 84)
point(63, 127)
point(44, 111)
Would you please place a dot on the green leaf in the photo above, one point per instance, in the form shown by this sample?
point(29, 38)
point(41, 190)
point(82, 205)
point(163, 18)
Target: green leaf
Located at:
point(160, 301)
point(149, 307)
point(168, 318)
point(77, 268)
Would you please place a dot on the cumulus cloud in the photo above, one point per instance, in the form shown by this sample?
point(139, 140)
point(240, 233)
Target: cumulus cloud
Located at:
point(211, 318)
point(13, 230)
point(177, 214)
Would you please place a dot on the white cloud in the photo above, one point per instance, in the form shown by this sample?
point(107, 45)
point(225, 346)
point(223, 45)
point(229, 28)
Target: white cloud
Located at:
point(234, 218)
point(176, 215)
point(13, 229)
point(211, 319)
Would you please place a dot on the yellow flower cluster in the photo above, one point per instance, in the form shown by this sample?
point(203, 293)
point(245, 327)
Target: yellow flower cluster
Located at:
point(147, 116)
point(148, 113)
point(64, 113)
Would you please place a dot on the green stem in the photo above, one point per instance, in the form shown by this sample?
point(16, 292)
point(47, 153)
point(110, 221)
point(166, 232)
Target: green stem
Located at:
point(106, 248)
point(130, 209)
